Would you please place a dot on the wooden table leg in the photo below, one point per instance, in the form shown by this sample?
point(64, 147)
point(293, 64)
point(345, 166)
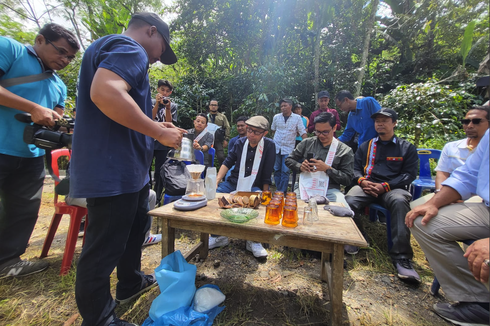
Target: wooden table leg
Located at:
point(333, 274)
point(205, 246)
point(168, 238)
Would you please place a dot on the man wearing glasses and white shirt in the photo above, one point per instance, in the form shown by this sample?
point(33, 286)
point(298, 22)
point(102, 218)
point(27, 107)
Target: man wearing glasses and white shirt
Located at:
point(455, 153)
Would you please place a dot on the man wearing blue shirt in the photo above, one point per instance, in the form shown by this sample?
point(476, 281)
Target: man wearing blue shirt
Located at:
point(112, 152)
point(21, 164)
point(359, 120)
point(463, 276)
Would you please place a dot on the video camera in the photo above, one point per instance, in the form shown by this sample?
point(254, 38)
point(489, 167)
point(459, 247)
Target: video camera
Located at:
point(44, 137)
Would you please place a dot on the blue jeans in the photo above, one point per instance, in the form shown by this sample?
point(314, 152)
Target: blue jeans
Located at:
point(281, 173)
point(114, 237)
point(227, 187)
point(21, 185)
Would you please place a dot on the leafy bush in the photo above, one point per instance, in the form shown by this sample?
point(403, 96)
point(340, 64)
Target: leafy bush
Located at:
point(429, 112)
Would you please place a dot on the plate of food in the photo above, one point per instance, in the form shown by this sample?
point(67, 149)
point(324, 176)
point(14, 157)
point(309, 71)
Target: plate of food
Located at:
point(239, 214)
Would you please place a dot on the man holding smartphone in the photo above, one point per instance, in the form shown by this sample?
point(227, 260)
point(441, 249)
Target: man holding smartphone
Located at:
point(312, 153)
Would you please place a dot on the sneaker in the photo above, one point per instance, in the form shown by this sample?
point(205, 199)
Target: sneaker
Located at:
point(150, 282)
point(152, 239)
point(215, 242)
point(81, 231)
point(257, 249)
point(119, 322)
point(463, 313)
point(23, 268)
point(351, 250)
point(405, 270)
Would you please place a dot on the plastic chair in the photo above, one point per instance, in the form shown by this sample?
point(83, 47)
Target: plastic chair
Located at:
point(434, 289)
point(61, 208)
point(424, 180)
point(373, 216)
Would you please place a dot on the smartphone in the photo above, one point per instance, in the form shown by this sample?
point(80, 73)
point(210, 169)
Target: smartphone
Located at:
point(310, 155)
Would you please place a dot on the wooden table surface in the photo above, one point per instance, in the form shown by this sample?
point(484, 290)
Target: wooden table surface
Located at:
point(332, 228)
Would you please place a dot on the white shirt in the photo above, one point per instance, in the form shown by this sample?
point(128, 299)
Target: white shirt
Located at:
point(472, 178)
point(286, 132)
point(454, 154)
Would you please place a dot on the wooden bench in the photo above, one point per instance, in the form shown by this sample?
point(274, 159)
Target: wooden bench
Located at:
point(328, 236)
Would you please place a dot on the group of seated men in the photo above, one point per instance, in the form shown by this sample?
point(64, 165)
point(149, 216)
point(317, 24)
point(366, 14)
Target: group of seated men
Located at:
point(383, 168)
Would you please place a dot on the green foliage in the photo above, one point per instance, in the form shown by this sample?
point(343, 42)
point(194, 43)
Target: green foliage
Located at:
point(429, 112)
point(467, 40)
point(15, 30)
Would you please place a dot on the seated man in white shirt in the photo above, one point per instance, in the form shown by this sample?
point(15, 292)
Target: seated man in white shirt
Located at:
point(454, 154)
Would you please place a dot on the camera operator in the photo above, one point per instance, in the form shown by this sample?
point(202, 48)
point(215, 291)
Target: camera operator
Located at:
point(27, 83)
point(164, 110)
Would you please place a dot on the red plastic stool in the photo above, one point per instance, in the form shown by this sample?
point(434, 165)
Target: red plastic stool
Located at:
point(60, 208)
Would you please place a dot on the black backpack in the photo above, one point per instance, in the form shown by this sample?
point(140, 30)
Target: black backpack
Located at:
point(174, 176)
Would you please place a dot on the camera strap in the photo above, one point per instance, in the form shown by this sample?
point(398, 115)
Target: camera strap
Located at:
point(26, 79)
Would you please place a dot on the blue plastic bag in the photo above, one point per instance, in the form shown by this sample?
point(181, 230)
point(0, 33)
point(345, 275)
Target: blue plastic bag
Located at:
point(187, 316)
point(176, 279)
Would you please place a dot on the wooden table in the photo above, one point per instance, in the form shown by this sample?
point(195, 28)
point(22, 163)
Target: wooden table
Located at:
point(328, 236)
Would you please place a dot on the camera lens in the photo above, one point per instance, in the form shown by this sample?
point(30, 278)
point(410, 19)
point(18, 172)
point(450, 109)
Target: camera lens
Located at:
point(165, 101)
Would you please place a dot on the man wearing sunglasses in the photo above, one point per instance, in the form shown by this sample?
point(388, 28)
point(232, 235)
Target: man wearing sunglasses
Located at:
point(253, 157)
point(339, 172)
point(454, 154)
point(30, 85)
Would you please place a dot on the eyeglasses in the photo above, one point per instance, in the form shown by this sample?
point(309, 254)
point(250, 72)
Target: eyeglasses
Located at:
point(255, 132)
point(213, 104)
point(61, 52)
point(324, 133)
point(475, 121)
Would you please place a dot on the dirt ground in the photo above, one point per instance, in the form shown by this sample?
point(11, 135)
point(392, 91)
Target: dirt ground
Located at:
point(284, 289)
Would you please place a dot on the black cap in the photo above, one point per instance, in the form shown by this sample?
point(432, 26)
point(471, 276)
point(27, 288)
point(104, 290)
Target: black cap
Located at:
point(323, 94)
point(168, 57)
point(386, 112)
point(286, 100)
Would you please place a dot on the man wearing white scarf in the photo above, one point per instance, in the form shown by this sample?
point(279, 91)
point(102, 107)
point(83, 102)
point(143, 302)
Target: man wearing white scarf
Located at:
point(253, 157)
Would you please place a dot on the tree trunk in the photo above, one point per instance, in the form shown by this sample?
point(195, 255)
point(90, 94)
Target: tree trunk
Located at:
point(365, 48)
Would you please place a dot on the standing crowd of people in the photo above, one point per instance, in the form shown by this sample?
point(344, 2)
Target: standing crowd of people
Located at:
point(367, 163)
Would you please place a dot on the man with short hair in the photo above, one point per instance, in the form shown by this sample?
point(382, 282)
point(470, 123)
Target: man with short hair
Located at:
point(164, 110)
point(241, 127)
point(340, 171)
point(323, 100)
point(359, 120)
point(253, 158)
point(287, 125)
point(222, 135)
point(21, 164)
point(384, 168)
point(464, 277)
point(114, 118)
point(454, 154)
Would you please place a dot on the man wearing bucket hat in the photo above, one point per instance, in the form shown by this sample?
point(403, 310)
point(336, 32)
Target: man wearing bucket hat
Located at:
point(384, 168)
point(253, 157)
point(115, 118)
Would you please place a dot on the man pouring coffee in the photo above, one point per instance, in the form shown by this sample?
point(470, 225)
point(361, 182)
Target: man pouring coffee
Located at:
point(253, 160)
